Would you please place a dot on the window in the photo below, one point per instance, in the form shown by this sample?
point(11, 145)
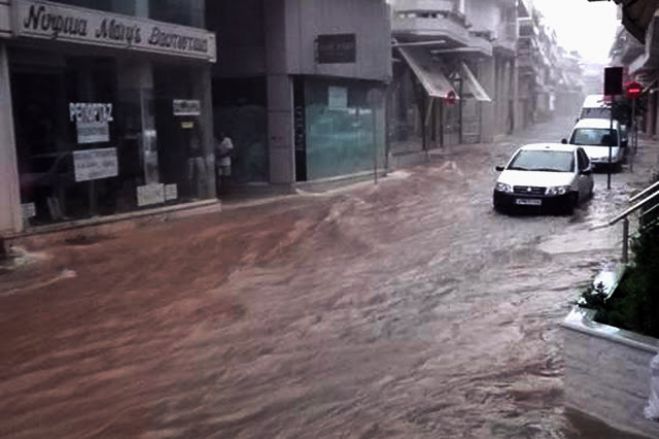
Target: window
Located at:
point(595, 137)
point(584, 161)
point(538, 160)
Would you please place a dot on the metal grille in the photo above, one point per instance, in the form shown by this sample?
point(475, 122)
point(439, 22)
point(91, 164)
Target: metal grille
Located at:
point(530, 190)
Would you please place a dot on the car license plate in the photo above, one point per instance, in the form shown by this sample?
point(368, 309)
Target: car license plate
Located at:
point(528, 202)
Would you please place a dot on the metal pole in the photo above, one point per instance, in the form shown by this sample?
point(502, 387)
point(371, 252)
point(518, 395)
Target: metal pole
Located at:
point(625, 240)
point(634, 135)
point(375, 143)
point(608, 176)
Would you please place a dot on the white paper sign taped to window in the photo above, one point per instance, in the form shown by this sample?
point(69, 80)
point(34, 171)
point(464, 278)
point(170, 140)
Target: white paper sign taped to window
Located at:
point(92, 121)
point(95, 164)
point(29, 210)
point(171, 192)
point(150, 194)
point(337, 98)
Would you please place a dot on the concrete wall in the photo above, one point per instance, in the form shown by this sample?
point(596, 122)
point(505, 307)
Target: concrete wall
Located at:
point(484, 15)
point(10, 207)
point(368, 19)
point(607, 373)
point(241, 35)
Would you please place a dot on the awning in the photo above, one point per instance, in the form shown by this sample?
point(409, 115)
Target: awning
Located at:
point(427, 71)
point(472, 88)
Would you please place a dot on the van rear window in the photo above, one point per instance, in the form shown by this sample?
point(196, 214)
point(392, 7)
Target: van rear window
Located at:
point(595, 113)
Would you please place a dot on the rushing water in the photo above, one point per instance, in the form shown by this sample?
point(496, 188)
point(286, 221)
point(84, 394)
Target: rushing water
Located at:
point(410, 310)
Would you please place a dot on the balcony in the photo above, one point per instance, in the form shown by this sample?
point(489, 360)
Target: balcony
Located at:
point(528, 28)
point(418, 20)
point(506, 39)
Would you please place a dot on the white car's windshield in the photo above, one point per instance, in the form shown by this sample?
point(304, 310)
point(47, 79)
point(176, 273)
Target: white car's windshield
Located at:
point(548, 161)
point(595, 137)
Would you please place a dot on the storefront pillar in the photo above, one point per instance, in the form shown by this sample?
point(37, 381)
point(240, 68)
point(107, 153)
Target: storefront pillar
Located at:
point(280, 129)
point(10, 204)
point(202, 85)
point(488, 80)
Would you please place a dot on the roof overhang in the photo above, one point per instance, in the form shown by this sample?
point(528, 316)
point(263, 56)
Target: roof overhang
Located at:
point(637, 15)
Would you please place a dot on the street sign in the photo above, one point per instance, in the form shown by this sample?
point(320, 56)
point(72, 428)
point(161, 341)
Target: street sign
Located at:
point(451, 98)
point(613, 81)
point(634, 90)
point(336, 49)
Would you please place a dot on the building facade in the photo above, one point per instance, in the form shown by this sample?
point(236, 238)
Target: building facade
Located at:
point(302, 93)
point(105, 109)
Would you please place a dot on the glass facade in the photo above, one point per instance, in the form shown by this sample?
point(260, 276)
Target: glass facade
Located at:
point(102, 135)
point(343, 134)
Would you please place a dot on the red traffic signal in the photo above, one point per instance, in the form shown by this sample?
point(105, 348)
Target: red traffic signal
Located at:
point(634, 90)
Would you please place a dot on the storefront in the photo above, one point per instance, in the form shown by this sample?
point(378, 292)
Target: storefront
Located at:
point(111, 113)
point(339, 130)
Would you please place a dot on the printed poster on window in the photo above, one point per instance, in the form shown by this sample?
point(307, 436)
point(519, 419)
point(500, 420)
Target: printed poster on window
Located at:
point(95, 164)
point(337, 98)
point(150, 194)
point(92, 121)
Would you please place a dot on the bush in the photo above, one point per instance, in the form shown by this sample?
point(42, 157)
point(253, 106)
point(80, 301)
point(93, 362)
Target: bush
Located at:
point(635, 304)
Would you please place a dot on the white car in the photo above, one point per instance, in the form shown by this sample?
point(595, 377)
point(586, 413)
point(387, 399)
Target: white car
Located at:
point(597, 137)
point(545, 175)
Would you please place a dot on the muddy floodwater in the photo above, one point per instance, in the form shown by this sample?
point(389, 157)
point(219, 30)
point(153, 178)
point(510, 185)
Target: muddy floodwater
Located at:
point(406, 310)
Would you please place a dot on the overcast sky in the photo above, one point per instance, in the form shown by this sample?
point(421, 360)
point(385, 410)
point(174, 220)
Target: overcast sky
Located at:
point(588, 27)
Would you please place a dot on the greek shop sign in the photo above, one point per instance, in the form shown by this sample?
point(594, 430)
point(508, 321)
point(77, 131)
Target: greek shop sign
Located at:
point(92, 121)
point(43, 19)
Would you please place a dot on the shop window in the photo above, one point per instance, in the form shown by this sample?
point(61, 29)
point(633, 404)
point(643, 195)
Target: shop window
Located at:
point(91, 141)
point(342, 132)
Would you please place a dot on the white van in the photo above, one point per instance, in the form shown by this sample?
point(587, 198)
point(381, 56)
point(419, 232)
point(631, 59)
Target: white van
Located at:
point(595, 136)
point(598, 107)
point(595, 107)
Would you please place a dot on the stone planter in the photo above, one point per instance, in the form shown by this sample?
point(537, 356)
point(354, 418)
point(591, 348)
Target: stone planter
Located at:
point(607, 372)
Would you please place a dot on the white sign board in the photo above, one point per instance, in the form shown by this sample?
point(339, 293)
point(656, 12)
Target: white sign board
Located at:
point(337, 98)
point(150, 194)
point(183, 107)
point(54, 21)
point(95, 164)
point(92, 121)
point(171, 192)
point(29, 210)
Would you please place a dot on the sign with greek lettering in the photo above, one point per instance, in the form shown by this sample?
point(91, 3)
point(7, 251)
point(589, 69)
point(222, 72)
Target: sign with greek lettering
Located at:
point(92, 121)
point(150, 194)
point(54, 21)
point(95, 164)
point(183, 107)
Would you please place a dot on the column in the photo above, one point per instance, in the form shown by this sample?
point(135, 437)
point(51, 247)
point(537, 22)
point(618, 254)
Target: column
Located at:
point(10, 200)
point(487, 78)
point(203, 89)
point(514, 85)
point(281, 141)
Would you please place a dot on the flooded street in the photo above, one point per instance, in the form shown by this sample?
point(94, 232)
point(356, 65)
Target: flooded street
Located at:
point(407, 310)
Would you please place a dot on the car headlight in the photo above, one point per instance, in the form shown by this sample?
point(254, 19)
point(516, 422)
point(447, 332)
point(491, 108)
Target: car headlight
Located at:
point(558, 190)
point(503, 187)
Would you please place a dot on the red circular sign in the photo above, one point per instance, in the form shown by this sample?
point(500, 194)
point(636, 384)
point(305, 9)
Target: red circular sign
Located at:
point(634, 90)
point(451, 98)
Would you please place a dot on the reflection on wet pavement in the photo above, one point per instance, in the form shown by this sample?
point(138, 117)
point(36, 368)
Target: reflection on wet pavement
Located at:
point(410, 310)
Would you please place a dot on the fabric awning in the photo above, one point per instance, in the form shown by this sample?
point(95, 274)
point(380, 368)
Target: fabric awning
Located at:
point(472, 88)
point(427, 71)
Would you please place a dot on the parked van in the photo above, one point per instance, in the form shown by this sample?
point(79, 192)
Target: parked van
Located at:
point(596, 136)
point(597, 107)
